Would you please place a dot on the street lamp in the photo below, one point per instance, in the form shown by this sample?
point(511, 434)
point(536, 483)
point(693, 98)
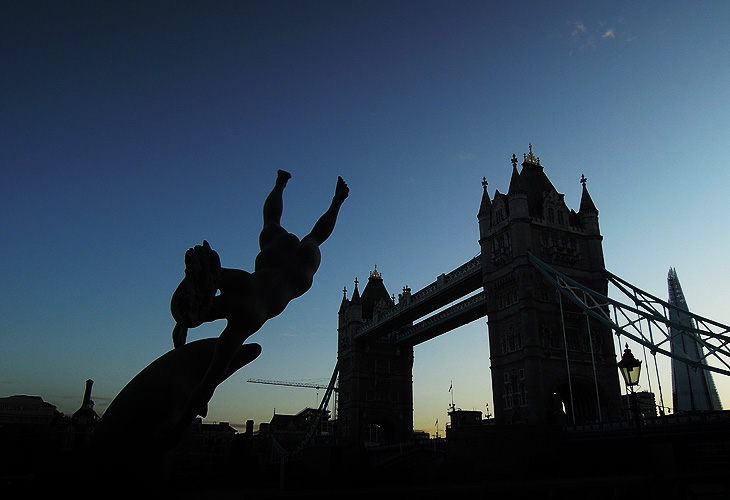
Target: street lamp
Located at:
point(631, 369)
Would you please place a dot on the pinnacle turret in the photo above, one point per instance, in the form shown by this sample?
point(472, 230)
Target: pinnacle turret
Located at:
point(586, 202)
point(515, 185)
point(356, 295)
point(485, 207)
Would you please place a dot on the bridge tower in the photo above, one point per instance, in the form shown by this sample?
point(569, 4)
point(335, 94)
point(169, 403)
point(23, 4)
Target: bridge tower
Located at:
point(376, 376)
point(549, 362)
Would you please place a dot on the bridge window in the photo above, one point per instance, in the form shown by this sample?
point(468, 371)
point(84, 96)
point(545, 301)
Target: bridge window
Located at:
point(507, 298)
point(586, 343)
point(597, 341)
point(514, 391)
point(548, 339)
point(372, 435)
point(515, 341)
point(507, 397)
point(511, 341)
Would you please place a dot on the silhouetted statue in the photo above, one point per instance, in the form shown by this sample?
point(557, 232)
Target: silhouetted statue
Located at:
point(172, 390)
point(283, 270)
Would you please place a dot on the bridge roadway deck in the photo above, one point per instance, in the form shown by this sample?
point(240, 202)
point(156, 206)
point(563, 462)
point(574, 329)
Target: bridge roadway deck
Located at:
point(447, 288)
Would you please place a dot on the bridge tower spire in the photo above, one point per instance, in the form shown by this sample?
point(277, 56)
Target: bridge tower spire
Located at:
point(549, 362)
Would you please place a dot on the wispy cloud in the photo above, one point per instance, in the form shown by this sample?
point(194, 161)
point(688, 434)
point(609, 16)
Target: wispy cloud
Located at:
point(578, 28)
point(588, 36)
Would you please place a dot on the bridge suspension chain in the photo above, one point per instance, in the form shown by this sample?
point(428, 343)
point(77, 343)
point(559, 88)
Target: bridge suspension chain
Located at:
point(654, 312)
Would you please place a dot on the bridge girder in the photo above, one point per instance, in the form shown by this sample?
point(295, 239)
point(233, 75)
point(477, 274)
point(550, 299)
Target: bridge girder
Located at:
point(647, 310)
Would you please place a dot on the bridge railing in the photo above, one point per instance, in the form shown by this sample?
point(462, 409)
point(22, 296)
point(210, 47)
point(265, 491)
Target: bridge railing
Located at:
point(458, 275)
point(664, 423)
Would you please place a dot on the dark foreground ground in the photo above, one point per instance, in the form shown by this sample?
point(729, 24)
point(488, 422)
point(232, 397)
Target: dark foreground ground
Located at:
point(619, 488)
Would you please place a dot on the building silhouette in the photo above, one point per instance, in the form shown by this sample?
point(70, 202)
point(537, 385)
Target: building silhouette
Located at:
point(693, 389)
point(35, 435)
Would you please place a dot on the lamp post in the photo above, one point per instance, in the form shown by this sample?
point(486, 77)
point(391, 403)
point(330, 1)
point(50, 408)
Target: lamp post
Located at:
point(630, 370)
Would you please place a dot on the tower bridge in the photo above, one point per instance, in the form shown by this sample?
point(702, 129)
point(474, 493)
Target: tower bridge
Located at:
point(552, 360)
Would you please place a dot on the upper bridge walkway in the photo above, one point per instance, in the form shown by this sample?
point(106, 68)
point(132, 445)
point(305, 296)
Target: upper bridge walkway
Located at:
point(447, 288)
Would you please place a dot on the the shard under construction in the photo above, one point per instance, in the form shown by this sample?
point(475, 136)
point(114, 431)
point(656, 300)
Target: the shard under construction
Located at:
point(693, 388)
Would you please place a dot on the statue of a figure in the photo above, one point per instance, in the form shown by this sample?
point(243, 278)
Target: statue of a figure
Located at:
point(283, 270)
point(177, 386)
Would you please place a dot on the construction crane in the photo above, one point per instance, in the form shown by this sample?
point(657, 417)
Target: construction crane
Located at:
point(311, 430)
point(293, 383)
point(290, 383)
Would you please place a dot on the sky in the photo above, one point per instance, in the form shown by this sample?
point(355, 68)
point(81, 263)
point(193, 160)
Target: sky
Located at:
point(131, 131)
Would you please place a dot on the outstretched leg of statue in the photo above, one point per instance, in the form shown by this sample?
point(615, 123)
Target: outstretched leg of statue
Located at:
point(326, 223)
point(274, 204)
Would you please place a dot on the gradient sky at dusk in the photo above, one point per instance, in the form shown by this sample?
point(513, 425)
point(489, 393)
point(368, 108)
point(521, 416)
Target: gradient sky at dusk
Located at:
point(130, 131)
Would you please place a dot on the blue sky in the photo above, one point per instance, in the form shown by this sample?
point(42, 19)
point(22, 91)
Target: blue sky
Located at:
point(131, 131)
